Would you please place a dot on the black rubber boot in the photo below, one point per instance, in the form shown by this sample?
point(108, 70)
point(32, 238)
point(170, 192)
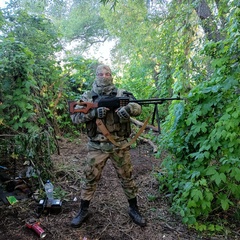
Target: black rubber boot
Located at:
point(135, 214)
point(82, 214)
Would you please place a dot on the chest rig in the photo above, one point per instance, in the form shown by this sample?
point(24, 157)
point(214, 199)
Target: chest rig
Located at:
point(113, 124)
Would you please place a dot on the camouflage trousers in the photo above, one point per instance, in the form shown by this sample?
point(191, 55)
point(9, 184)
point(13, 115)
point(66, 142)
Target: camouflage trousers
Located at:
point(95, 162)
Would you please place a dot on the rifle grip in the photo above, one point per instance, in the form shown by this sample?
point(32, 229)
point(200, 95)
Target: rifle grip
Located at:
point(71, 106)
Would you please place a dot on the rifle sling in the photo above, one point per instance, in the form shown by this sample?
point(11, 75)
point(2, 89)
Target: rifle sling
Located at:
point(107, 134)
point(137, 135)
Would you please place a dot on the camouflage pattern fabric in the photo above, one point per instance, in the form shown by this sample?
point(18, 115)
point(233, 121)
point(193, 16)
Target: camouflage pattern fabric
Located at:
point(103, 76)
point(95, 162)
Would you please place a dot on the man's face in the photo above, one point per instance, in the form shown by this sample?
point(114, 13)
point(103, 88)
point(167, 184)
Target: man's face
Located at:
point(103, 76)
point(104, 73)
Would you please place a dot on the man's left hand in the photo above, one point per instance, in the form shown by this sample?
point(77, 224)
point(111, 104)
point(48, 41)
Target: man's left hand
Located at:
point(123, 112)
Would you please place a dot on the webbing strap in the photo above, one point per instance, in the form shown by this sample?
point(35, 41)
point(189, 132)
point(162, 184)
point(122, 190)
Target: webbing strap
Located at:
point(107, 134)
point(137, 135)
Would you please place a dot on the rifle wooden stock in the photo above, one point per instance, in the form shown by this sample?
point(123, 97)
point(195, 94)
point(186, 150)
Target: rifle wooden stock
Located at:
point(87, 106)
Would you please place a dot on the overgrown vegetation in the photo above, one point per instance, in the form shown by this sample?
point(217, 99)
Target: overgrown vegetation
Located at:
point(34, 89)
point(162, 48)
point(203, 136)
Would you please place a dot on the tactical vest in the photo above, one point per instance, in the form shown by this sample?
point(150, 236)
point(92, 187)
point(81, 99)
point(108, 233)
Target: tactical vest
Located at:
point(112, 122)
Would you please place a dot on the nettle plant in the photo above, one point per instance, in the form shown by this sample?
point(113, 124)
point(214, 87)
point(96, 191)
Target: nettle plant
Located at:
point(203, 134)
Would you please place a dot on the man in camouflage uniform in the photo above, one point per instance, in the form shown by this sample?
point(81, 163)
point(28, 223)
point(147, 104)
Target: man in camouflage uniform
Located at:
point(101, 149)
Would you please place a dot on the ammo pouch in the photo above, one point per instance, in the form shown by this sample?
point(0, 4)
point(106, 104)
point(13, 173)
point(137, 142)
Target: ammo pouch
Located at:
point(104, 146)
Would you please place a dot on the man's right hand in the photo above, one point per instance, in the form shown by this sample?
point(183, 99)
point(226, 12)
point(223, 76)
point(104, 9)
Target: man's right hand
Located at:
point(101, 112)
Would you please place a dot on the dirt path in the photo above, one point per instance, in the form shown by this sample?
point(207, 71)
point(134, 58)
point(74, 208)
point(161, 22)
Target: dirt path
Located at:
point(108, 218)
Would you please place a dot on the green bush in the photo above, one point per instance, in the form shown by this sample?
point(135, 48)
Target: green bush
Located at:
point(203, 135)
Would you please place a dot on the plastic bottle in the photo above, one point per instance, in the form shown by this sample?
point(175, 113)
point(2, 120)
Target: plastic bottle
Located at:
point(49, 189)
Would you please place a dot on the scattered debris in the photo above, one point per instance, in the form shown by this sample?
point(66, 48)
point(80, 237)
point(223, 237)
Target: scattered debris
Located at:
point(35, 226)
point(12, 200)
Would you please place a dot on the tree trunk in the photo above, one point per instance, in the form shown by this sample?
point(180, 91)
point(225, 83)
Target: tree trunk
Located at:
point(207, 20)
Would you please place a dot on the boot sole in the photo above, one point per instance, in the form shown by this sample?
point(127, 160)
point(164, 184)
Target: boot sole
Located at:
point(138, 223)
point(80, 224)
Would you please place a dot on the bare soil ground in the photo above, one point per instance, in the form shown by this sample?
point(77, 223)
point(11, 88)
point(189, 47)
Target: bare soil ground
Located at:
point(108, 218)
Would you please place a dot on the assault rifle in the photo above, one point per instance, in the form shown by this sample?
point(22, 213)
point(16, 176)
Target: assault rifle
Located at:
point(114, 103)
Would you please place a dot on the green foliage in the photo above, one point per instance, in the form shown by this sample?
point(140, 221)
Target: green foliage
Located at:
point(78, 24)
point(34, 89)
point(165, 42)
point(16, 84)
point(30, 87)
point(80, 73)
point(133, 31)
point(59, 193)
point(37, 147)
point(203, 135)
point(113, 3)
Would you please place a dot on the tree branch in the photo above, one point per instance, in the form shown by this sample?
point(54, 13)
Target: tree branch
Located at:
point(149, 127)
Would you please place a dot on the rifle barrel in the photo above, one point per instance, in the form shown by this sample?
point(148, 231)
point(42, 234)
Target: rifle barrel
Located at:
point(154, 100)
